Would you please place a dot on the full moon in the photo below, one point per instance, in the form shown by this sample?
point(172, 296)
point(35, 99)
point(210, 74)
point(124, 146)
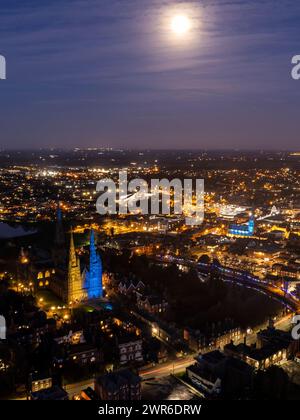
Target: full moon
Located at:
point(180, 24)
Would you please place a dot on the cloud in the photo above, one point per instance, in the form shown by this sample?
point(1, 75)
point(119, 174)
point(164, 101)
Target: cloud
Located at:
point(118, 56)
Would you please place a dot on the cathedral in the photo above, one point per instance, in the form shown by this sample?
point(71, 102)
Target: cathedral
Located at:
point(63, 272)
point(86, 284)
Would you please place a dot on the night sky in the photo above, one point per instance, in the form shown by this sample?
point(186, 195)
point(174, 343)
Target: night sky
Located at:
point(113, 73)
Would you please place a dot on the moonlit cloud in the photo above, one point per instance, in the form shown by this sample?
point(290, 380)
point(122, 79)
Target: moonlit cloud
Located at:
point(110, 73)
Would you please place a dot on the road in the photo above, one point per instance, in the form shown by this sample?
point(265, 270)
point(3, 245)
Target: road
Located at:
point(157, 371)
point(167, 368)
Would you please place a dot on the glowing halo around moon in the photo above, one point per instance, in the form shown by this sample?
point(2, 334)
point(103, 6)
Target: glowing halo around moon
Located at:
point(180, 24)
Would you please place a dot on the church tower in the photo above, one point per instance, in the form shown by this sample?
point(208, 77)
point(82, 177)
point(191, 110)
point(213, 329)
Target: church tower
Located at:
point(59, 233)
point(94, 275)
point(75, 290)
point(59, 251)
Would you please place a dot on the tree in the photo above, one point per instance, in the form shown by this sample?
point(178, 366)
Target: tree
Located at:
point(204, 259)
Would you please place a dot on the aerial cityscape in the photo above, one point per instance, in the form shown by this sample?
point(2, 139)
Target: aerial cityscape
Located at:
point(149, 201)
point(183, 312)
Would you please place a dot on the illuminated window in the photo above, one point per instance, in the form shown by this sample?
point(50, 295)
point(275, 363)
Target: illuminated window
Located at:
point(41, 284)
point(40, 275)
point(47, 274)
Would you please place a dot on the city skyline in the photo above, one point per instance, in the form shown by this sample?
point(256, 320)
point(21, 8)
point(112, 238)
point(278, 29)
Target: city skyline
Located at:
point(149, 203)
point(120, 75)
point(137, 297)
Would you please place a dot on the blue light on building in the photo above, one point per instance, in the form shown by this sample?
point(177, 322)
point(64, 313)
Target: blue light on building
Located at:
point(93, 277)
point(243, 230)
point(58, 213)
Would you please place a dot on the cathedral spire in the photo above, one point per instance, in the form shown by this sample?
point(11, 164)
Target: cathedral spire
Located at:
point(94, 283)
point(75, 289)
point(72, 253)
point(58, 213)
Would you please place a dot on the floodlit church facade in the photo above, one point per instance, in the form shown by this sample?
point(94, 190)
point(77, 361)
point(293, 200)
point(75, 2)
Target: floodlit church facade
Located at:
point(92, 277)
point(61, 271)
point(88, 284)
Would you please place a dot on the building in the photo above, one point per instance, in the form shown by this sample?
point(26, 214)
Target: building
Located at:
point(83, 354)
point(131, 286)
point(221, 340)
point(54, 393)
point(39, 382)
point(62, 274)
point(205, 373)
point(229, 212)
point(48, 269)
point(152, 304)
point(274, 337)
point(130, 348)
point(93, 275)
point(259, 358)
point(198, 341)
point(292, 272)
point(242, 230)
point(87, 285)
point(216, 374)
point(119, 385)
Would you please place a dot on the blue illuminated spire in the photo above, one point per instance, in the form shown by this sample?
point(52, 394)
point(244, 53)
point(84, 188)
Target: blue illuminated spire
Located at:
point(94, 275)
point(58, 213)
